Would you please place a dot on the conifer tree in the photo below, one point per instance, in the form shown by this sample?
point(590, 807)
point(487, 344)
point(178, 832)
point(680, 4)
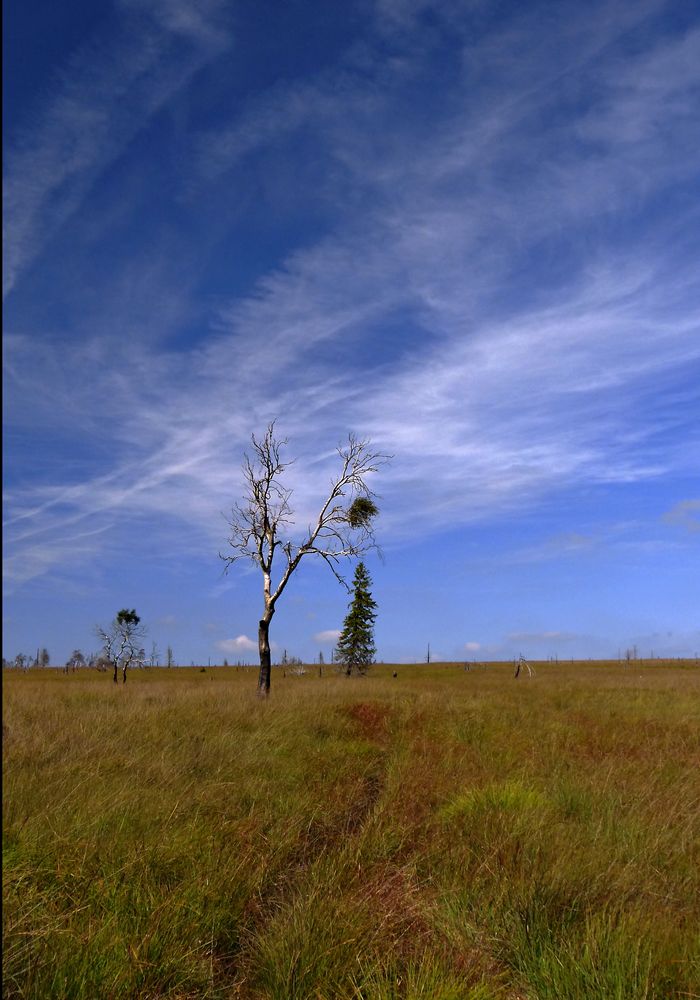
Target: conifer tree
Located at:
point(356, 649)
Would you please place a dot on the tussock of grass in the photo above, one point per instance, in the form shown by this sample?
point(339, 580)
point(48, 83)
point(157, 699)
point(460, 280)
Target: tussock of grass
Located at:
point(509, 797)
point(443, 835)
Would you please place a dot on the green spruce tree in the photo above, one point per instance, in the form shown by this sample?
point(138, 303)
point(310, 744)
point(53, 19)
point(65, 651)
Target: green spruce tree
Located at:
point(355, 648)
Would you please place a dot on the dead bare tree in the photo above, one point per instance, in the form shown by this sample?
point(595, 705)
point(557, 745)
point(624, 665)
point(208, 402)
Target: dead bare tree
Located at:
point(343, 528)
point(521, 663)
point(120, 641)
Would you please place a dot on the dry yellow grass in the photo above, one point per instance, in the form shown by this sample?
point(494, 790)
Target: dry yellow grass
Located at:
point(442, 834)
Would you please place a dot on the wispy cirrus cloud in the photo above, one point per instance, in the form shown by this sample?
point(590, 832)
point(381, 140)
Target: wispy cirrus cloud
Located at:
point(545, 636)
point(105, 95)
point(461, 306)
point(684, 514)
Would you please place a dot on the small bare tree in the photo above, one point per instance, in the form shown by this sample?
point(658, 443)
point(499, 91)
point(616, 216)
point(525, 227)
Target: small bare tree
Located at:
point(120, 641)
point(22, 661)
point(342, 529)
point(522, 664)
point(75, 661)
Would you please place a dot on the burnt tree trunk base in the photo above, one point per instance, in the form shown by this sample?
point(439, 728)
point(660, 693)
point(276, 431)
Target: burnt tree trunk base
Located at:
point(265, 659)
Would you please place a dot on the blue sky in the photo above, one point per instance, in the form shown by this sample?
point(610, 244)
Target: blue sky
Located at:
point(469, 231)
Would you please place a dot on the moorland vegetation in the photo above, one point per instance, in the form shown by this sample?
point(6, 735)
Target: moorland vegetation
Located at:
point(443, 834)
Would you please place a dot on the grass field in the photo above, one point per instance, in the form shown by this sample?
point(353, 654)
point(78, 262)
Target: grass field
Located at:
point(442, 834)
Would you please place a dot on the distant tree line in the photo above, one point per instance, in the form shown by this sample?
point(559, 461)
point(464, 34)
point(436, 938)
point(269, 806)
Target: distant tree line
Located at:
point(24, 661)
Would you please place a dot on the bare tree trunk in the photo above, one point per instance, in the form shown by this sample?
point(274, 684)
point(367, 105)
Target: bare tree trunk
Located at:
point(124, 674)
point(115, 672)
point(265, 661)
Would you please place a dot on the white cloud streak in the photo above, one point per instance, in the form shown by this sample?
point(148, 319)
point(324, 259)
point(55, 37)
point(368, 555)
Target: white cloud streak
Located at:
point(684, 514)
point(498, 395)
point(105, 96)
point(535, 637)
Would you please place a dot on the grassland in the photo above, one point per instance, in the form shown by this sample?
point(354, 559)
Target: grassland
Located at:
point(442, 834)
